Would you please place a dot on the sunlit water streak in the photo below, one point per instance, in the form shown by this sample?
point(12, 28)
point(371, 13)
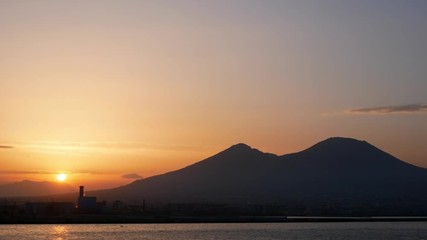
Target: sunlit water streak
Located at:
point(234, 231)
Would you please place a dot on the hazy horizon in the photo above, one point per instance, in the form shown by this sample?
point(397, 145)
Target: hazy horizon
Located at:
point(130, 177)
point(110, 91)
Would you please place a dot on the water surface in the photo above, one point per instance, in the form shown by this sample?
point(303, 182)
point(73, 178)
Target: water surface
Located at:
point(211, 231)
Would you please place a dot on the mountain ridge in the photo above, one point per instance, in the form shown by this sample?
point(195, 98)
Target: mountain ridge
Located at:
point(29, 188)
point(336, 168)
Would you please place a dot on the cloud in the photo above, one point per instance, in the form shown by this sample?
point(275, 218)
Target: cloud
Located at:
point(27, 172)
point(47, 172)
point(401, 109)
point(3, 146)
point(86, 148)
point(132, 176)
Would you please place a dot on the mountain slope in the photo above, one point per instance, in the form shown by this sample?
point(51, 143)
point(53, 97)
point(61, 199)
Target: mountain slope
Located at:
point(354, 169)
point(236, 167)
point(28, 188)
point(335, 169)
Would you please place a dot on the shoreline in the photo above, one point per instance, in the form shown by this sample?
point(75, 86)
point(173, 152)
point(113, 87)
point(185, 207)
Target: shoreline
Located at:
point(120, 219)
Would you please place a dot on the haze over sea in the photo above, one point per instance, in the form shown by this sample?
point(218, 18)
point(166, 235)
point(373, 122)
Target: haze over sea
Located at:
point(234, 231)
point(133, 111)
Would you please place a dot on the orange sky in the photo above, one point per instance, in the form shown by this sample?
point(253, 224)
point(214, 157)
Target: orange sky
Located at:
point(99, 89)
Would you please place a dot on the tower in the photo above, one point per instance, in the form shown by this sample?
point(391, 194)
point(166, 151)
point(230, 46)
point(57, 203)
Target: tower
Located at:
point(82, 191)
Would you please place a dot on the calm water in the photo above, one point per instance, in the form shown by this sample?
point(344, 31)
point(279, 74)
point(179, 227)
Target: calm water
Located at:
point(234, 231)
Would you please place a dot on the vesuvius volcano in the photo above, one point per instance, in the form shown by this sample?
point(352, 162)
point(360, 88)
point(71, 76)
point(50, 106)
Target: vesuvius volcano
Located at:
point(344, 171)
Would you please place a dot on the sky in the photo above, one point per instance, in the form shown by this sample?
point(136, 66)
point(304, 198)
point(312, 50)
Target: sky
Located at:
point(110, 91)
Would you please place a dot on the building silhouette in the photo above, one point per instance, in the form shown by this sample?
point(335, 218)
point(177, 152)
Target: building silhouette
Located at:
point(88, 204)
point(49, 208)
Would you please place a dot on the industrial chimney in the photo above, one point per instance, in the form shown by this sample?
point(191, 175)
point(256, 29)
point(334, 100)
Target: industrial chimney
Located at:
point(82, 191)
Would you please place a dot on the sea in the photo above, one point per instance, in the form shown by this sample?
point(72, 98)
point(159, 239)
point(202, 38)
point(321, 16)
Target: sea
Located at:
point(231, 231)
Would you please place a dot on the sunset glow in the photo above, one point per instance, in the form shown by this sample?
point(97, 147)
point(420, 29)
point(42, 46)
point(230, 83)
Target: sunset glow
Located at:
point(61, 177)
point(105, 89)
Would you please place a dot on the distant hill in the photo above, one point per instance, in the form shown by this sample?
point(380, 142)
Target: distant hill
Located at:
point(341, 172)
point(28, 188)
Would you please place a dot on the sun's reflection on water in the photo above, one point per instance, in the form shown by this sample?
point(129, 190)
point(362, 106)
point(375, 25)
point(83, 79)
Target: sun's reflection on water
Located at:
point(59, 232)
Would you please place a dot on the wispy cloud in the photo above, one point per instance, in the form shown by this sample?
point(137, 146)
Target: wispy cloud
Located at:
point(47, 172)
point(398, 109)
point(132, 176)
point(4, 146)
point(28, 172)
point(86, 148)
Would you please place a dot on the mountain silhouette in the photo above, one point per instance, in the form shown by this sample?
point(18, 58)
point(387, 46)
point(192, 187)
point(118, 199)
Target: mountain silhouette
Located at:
point(341, 170)
point(29, 188)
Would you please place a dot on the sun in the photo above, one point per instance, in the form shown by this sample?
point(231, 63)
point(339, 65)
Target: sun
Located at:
point(61, 177)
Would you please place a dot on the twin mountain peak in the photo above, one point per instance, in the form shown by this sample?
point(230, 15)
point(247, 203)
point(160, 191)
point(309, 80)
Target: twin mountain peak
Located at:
point(331, 150)
point(336, 168)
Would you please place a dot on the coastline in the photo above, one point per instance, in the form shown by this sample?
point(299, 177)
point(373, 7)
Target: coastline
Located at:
point(121, 219)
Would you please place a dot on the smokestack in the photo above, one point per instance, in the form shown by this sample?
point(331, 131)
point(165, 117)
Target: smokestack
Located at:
point(82, 191)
